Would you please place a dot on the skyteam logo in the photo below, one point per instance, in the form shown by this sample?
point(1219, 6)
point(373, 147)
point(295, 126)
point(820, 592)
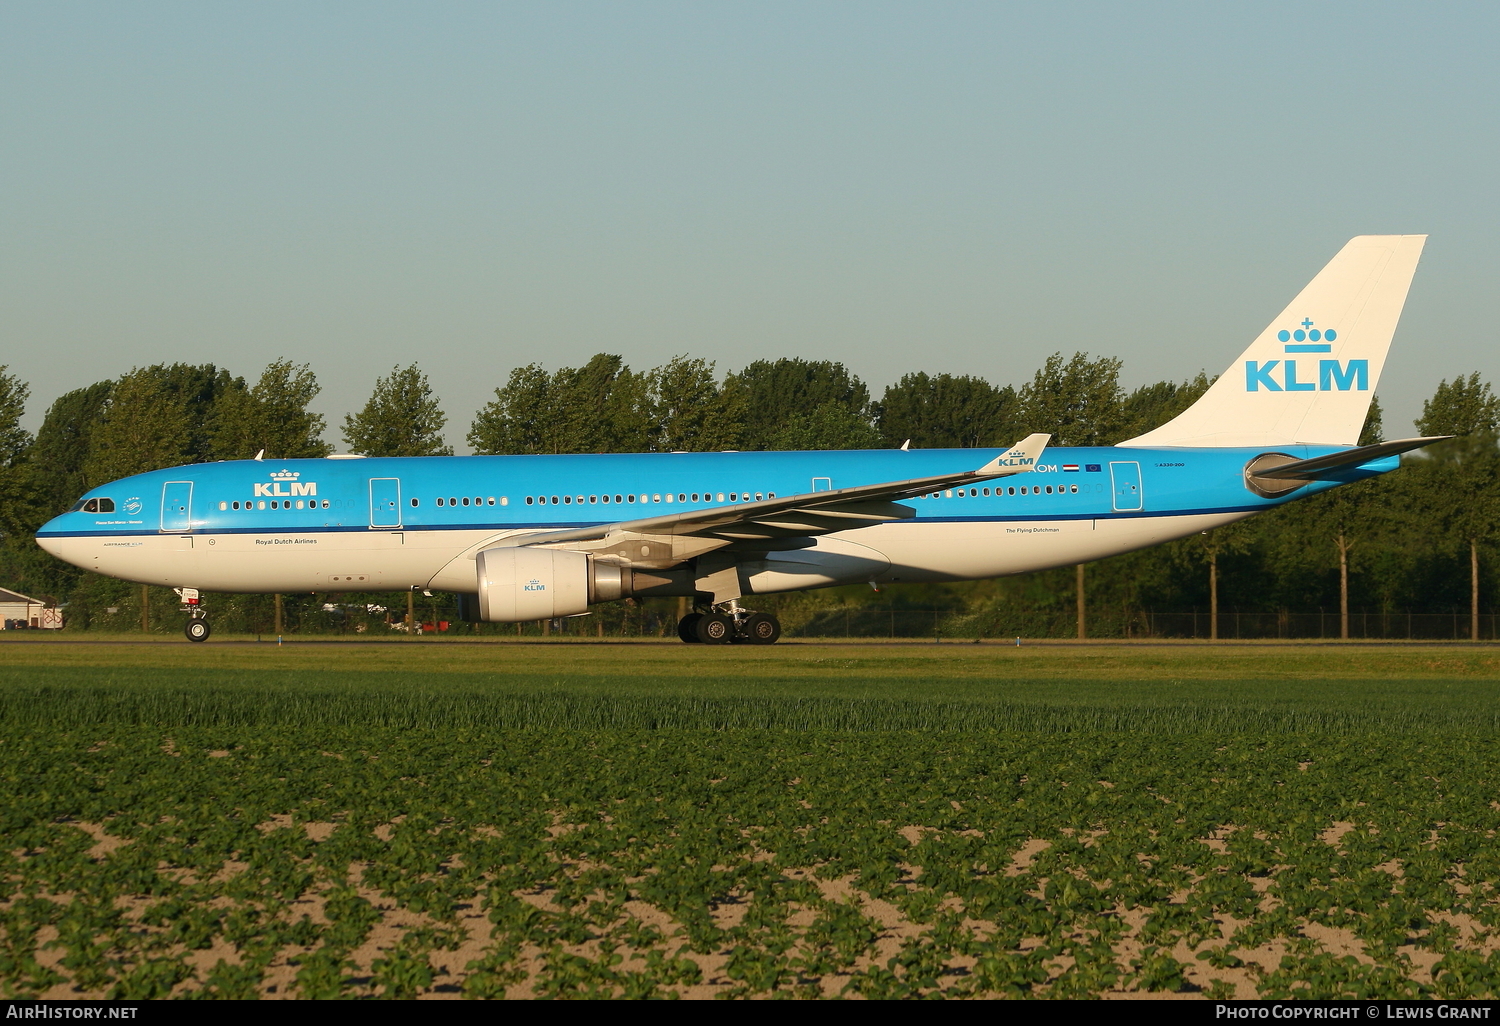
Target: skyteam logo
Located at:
point(280, 480)
point(1281, 375)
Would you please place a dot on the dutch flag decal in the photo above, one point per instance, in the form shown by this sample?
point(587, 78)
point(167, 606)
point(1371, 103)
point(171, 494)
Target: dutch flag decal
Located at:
point(1070, 468)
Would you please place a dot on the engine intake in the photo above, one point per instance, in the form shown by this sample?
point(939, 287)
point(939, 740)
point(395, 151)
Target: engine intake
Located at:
point(518, 584)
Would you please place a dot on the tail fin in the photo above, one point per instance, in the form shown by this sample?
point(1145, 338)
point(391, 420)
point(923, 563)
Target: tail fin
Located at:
point(1309, 377)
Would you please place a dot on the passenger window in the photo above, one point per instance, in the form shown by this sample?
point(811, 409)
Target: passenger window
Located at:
point(299, 504)
point(1011, 490)
point(721, 496)
point(1074, 489)
point(440, 500)
point(593, 499)
point(695, 496)
point(452, 500)
point(568, 499)
point(223, 505)
point(528, 500)
point(261, 504)
point(505, 500)
point(580, 500)
point(554, 500)
point(617, 498)
point(416, 502)
point(630, 498)
point(466, 500)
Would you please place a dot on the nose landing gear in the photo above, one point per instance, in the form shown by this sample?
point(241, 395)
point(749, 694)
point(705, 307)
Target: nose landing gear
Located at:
point(729, 626)
point(196, 628)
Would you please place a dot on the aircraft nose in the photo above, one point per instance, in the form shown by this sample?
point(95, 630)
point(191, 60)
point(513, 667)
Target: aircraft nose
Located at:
point(48, 537)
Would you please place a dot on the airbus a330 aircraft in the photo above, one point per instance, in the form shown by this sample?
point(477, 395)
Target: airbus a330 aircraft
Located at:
point(536, 537)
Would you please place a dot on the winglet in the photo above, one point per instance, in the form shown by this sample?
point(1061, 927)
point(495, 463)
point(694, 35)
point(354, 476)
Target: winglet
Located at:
point(1018, 459)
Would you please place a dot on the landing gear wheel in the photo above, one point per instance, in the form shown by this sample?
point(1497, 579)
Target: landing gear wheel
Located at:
point(759, 629)
point(715, 629)
point(687, 628)
point(197, 629)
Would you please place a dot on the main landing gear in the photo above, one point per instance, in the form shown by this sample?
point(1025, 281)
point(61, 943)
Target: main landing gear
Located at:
point(729, 626)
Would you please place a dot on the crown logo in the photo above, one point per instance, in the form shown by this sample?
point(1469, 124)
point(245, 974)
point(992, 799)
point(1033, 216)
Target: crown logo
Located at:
point(285, 475)
point(1307, 333)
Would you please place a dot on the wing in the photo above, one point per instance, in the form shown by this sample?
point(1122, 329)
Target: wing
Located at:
point(785, 522)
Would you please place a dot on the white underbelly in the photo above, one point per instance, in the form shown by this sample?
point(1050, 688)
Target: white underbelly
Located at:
point(270, 562)
point(976, 550)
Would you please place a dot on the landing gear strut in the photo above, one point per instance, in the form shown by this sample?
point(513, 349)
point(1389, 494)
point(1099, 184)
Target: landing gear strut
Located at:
point(729, 626)
point(196, 628)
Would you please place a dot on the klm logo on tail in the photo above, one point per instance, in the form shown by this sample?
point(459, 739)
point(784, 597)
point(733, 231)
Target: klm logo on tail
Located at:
point(1332, 376)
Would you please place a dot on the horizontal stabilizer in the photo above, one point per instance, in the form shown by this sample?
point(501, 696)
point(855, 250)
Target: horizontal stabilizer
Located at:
point(1348, 458)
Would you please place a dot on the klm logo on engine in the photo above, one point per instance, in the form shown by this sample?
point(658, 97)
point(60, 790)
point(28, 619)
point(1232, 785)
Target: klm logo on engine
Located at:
point(1284, 375)
point(283, 479)
point(534, 585)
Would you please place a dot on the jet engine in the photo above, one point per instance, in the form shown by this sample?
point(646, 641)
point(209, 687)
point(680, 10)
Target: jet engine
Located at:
point(518, 584)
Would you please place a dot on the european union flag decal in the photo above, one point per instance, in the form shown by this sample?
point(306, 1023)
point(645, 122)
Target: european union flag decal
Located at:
point(1092, 468)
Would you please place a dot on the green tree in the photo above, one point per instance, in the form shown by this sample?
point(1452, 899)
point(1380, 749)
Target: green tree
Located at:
point(146, 426)
point(1077, 402)
point(515, 422)
point(829, 425)
point(1465, 470)
point(946, 412)
point(63, 443)
point(689, 409)
point(22, 503)
point(1151, 406)
point(198, 387)
point(272, 415)
point(599, 407)
point(771, 393)
point(1374, 429)
point(402, 418)
point(1462, 406)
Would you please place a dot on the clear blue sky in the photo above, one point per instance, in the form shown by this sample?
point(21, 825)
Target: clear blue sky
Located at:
point(936, 186)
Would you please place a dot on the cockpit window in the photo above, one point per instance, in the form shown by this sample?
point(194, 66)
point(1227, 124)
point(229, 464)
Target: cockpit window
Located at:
point(97, 505)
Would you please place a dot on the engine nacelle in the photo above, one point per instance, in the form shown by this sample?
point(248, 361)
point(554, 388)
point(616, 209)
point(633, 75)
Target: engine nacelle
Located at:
point(518, 584)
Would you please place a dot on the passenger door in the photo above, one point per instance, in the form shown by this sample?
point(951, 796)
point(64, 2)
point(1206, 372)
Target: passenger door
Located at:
point(385, 502)
point(177, 506)
point(1127, 483)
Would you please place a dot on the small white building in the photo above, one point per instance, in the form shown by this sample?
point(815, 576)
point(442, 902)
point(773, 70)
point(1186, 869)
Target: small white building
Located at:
point(20, 612)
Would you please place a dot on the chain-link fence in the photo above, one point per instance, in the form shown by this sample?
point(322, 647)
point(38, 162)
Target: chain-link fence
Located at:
point(869, 622)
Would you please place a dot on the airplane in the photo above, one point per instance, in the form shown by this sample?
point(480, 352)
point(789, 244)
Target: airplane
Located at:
point(523, 538)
